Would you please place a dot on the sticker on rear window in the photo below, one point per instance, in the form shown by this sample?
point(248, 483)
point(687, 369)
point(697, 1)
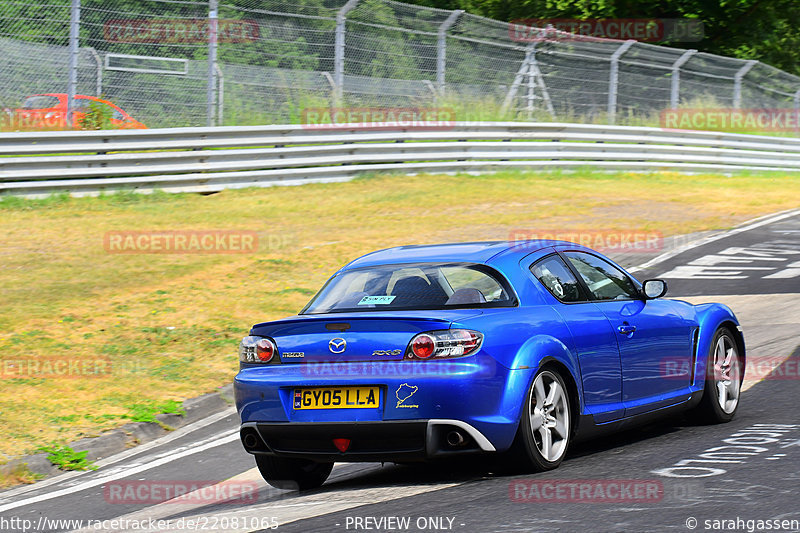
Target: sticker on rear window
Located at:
point(376, 300)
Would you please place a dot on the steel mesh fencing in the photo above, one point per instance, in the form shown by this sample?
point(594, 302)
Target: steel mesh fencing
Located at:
point(273, 59)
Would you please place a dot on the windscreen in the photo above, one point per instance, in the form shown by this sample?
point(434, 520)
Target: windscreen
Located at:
point(419, 286)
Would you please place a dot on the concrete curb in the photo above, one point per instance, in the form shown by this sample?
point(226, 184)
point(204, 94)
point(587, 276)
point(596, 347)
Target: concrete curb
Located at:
point(130, 435)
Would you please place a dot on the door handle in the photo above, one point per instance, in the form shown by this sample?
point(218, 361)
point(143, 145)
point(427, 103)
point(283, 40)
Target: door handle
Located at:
point(626, 329)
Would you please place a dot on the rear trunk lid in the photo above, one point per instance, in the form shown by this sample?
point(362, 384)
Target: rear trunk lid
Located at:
point(346, 337)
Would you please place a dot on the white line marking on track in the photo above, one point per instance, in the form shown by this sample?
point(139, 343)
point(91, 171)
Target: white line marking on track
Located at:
point(178, 433)
point(747, 226)
point(146, 464)
point(293, 508)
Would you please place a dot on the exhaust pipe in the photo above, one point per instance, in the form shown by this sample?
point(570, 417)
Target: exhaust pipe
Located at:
point(455, 438)
point(249, 440)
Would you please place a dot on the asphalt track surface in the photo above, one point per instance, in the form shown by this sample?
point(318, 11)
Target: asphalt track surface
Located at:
point(673, 475)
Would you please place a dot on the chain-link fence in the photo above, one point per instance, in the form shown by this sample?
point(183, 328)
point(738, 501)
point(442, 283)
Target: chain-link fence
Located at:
point(270, 59)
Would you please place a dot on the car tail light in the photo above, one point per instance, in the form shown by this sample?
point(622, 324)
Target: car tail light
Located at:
point(423, 346)
point(444, 343)
point(257, 350)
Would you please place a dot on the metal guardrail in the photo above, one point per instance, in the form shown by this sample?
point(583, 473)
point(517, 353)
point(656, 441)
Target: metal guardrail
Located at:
point(212, 159)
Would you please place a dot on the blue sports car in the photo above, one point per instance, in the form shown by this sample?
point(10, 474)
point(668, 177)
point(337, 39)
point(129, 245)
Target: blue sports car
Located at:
point(512, 348)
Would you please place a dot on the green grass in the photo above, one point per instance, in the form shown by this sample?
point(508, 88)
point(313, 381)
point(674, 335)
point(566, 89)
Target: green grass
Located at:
point(66, 458)
point(168, 326)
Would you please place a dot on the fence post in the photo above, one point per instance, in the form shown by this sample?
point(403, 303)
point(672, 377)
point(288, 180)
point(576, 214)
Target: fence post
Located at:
point(524, 67)
point(737, 82)
point(220, 94)
point(74, 50)
point(212, 60)
point(98, 82)
point(613, 80)
point(338, 50)
point(797, 112)
point(441, 49)
point(674, 93)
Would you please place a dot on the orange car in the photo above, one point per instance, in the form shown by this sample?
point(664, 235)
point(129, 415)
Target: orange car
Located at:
point(50, 111)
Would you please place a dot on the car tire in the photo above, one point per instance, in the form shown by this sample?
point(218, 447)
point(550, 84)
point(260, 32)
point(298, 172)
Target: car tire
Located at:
point(545, 427)
point(723, 373)
point(293, 474)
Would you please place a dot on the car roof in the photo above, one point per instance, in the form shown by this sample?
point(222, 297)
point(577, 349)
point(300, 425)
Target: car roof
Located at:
point(64, 95)
point(466, 252)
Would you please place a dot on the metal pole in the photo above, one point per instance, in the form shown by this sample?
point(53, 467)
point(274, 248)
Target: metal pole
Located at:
point(72, 79)
point(533, 70)
point(531, 92)
point(338, 49)
point(520, 76)
point(613, 80)
point(796, 112)
point(98, 90)
point(220, 95)
point(674, 93)
point(212, 60)
point(441, 49)
point(737, 82)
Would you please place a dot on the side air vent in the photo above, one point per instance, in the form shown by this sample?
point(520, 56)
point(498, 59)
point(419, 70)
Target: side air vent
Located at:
point(695, 341)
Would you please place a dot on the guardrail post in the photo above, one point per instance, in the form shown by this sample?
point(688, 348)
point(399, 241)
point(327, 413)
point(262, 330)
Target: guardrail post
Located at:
point(338, 50)
point(737, 82)
point(675, 88)
point(441, 49)
point(212, 60)
point(613, 80)
point(72, 79)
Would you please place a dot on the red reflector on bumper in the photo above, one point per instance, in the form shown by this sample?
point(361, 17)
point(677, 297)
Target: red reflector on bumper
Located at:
point(341, 444)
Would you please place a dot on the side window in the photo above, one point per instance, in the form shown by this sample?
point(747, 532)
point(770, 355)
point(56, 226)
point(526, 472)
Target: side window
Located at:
point(554, 274)
point(605, 281)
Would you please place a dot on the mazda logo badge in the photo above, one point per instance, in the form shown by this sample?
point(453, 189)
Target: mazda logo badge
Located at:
point(337, 345)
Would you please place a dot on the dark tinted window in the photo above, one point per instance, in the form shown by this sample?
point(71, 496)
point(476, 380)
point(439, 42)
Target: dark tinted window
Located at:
point(412, 286)
point(559, 280)
point(605, 281)
point(40, 102)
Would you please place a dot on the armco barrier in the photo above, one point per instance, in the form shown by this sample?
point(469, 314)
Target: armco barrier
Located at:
point(212, 159)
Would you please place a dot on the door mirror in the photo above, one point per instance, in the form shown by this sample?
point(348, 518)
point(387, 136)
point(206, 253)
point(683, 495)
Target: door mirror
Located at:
point(654, 288)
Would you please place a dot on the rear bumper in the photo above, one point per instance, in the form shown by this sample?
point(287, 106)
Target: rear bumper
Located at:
point(407, 440)
point(475, 391)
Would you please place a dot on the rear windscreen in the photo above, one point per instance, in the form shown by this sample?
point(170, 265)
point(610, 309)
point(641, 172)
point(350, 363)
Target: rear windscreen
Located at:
point(418, 286)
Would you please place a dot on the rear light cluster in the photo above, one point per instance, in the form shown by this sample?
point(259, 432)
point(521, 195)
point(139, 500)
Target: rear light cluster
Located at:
point(257, 350)
point(444, 343)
